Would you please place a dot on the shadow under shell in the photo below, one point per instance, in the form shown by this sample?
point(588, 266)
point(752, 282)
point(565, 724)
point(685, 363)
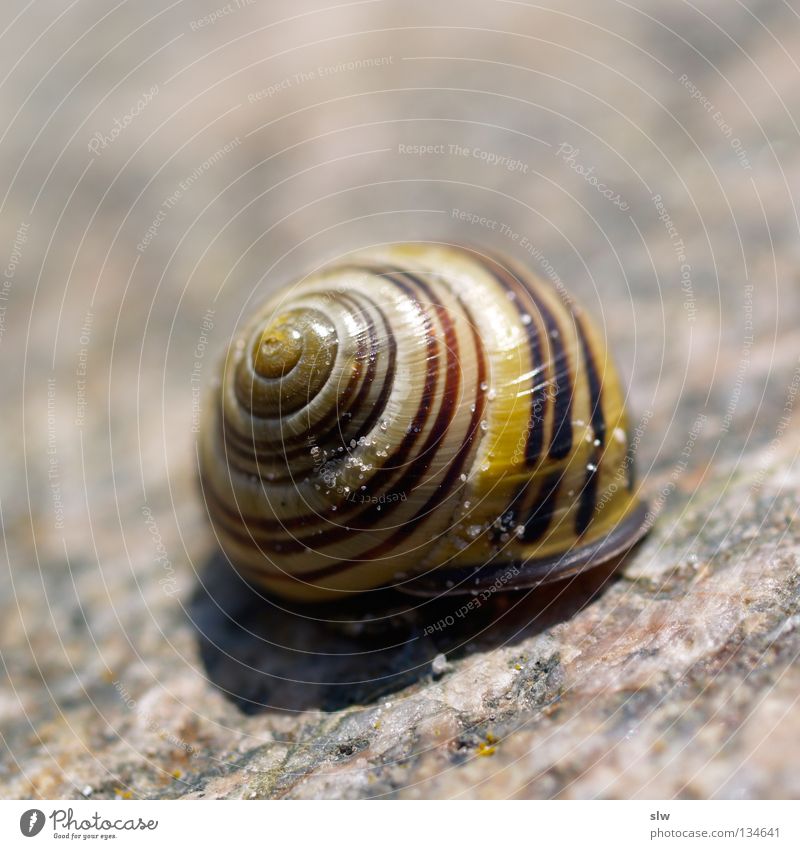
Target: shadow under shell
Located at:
point(266, 655)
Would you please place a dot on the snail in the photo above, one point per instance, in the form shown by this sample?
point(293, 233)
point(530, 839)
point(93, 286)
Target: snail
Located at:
point(422, 416)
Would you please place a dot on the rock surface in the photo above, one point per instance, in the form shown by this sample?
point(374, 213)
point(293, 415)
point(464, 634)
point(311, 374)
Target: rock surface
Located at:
point(163, 170)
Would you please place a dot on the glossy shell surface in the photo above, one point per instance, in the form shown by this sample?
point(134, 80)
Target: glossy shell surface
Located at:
point(422, 416)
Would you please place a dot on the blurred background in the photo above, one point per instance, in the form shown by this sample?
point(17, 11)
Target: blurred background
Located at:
point(164, 166)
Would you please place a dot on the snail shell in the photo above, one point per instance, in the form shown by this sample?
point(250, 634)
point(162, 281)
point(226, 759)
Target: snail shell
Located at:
point(423, 416)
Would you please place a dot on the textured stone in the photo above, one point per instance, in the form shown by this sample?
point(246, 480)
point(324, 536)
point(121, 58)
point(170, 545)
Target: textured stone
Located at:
point(136, 663)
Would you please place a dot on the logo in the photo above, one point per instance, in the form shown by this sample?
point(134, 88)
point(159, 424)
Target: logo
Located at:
point(65, 825)
point(31, 822)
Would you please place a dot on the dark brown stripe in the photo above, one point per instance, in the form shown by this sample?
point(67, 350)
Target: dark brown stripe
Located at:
point(534, 571)
point(444, 417)
point(326, 430)
point(365, 352)
point(380, 404)
point(535, 439)
point(246, 399)
point(456, 466)
point(534, 519)
point(416, 469)
point(631, 472)
point(543, 509)
point(329, 425)
point(246, 383)
point(588, 495)
point(382, 480)
point(561, 440)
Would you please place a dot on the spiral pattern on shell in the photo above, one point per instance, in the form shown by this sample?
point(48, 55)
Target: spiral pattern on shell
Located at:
point(422, 416)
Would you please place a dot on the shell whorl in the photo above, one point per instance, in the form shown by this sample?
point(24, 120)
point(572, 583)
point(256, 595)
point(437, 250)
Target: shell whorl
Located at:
point(421, 416)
